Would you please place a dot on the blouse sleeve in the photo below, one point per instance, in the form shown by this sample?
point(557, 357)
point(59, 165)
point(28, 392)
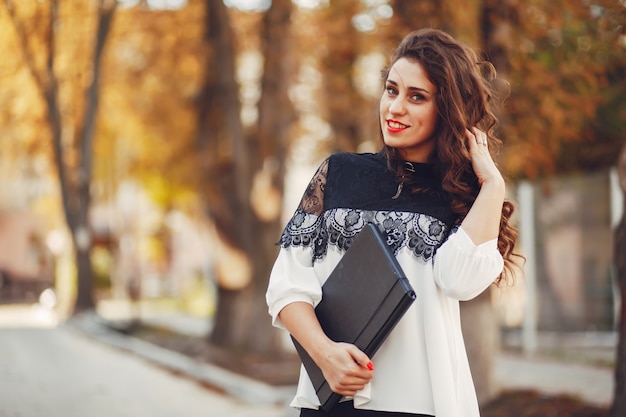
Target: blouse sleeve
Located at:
point(293, 277)
point(292, 280)
point(462, 269)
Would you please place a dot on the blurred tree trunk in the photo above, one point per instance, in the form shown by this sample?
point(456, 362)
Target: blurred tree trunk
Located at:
point(244, 175)
point(344, 108)
point(223, 155)
point(74, 178)
point(480, 332)
point(413, 15)
point(618, 408)
point(77, 215)
point(272, 141)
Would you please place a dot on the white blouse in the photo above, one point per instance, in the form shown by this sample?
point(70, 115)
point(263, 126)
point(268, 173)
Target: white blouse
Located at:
point(422, 367)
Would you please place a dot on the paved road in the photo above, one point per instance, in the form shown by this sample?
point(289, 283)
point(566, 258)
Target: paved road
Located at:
point(48, 371)
point(51, 371)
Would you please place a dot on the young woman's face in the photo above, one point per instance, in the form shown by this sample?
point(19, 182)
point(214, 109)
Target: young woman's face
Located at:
point(408, 112)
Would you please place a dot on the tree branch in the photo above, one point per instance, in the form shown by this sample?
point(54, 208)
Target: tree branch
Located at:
point(23, 40)
point(105, 18)
point(48, 87)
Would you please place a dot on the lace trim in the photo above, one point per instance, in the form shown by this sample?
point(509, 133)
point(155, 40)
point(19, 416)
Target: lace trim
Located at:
point(313, 198)
point(421, 234)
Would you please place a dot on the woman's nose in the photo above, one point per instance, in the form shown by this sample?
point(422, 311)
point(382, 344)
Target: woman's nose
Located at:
point(397, 106)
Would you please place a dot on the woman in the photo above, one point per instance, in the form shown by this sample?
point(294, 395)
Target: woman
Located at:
point(439, 197)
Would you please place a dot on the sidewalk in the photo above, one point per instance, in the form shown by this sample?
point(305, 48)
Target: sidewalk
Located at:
point(246, 389)
point(42, 355)
point(593, 384)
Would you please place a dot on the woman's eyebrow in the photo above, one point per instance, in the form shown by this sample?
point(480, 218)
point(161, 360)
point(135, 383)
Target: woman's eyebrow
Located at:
point(395, 84)
point(419, 89)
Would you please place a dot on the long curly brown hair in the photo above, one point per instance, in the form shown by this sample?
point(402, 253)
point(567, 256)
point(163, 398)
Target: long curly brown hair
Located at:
point(465, 98)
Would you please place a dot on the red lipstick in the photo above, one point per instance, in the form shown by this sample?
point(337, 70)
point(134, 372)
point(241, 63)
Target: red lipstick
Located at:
point(395, 129)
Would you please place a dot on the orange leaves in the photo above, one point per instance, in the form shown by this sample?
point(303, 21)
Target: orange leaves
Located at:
point(556, 52)
point(561, 58)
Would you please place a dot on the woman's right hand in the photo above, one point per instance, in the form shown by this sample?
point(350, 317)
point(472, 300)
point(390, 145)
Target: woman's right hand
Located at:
point(345, 367)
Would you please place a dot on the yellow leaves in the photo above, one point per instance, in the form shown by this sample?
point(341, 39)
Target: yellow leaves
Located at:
point(154, 64)
point(151, 73)
point(20, 101)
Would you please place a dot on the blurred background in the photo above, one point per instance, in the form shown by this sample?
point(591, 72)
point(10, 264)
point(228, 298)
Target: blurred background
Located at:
point(152, 150)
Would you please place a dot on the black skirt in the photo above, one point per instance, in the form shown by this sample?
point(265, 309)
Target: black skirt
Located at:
point(346, 409)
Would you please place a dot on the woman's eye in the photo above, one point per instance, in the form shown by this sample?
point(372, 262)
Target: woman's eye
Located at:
point(391, 90)
point(417, 97)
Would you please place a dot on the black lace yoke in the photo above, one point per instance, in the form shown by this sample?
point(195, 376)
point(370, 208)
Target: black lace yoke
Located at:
point(348, 191)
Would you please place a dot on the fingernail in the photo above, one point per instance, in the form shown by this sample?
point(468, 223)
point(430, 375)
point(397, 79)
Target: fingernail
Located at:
point(370, 366)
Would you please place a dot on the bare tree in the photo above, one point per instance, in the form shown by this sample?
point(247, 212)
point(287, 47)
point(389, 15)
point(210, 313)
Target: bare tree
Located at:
point(345, 109)
point(74, 178)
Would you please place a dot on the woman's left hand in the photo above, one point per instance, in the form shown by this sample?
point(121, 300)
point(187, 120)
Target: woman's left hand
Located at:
point(482, 222)
point(482, 162)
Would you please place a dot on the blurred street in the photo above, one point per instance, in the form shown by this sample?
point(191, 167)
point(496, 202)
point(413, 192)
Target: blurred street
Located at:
point(49, 371)
point(82, 367)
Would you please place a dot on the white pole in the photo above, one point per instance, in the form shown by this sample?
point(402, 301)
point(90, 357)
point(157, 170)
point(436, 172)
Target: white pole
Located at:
point(617, 198)
point(527, 243)
point(617, 205)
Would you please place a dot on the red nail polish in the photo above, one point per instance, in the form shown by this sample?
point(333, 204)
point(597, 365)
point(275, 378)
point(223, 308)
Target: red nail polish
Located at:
point(370, 366)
